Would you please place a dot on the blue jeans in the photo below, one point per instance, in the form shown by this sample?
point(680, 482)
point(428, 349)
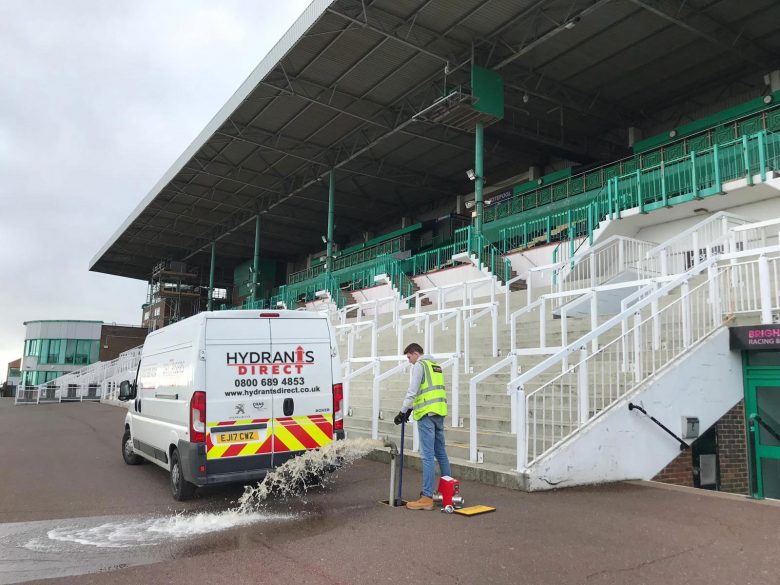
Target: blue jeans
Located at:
point(431, 429)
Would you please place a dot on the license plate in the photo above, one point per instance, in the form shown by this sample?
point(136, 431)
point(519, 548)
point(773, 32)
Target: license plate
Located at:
point(236, 437)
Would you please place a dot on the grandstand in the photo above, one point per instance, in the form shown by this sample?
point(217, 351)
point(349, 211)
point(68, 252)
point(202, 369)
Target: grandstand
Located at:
point(538, 179)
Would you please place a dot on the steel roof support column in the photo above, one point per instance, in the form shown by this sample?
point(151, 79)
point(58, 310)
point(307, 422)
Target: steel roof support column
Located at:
point(256, 261)
point(331, 207)
point(479, 180)
point(211, 273)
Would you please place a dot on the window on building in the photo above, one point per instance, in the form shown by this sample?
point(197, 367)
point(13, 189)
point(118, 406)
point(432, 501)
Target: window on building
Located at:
point(32, 347)
point(82, 352)
point(44, 356)
point(70, 351)
point(157, 311)
point(54, 351)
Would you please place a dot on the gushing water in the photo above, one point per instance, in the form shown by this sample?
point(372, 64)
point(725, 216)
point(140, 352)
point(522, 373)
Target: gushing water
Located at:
point(293, 478)
point(297, 475)
point(144, 532)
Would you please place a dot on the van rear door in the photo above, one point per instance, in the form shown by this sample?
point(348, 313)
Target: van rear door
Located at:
point(239, 418)
point(301, 383)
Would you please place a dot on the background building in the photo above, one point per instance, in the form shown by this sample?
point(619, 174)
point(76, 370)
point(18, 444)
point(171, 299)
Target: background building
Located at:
point(54, 348)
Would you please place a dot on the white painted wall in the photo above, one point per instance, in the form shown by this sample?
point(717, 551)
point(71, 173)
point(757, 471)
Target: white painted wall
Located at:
point(620, 445)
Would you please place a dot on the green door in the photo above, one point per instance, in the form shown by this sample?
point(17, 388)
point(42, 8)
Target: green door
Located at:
point(763, 412)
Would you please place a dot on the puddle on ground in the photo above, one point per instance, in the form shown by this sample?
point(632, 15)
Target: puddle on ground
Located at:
point(77, 546)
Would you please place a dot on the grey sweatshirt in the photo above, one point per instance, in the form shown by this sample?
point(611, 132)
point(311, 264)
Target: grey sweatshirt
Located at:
point(415, 381)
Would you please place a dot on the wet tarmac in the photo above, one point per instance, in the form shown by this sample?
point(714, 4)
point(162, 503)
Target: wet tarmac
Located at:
point(80, 515)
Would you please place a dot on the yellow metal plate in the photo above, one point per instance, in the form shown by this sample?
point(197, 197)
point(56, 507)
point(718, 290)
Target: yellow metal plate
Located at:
point(474, 510)
point(236, 437)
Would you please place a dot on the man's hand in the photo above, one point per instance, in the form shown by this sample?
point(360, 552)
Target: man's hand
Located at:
point(402, 417)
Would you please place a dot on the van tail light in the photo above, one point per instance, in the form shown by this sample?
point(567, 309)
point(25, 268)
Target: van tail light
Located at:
point(338, 407)
point(198, 417)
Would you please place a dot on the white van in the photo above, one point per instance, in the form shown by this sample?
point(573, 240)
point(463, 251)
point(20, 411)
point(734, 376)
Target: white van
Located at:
point(225, 396)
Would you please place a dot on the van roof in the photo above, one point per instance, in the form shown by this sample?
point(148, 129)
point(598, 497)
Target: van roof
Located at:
point(247, 313)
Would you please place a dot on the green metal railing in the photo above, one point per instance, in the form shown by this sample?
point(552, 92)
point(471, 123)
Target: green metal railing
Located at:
point(352, 259)
point(365, 277)
point(465, 240)
point(693, 176)
point(723, 135)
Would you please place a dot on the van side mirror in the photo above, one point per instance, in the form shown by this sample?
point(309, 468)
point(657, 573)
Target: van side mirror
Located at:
point(126, 391)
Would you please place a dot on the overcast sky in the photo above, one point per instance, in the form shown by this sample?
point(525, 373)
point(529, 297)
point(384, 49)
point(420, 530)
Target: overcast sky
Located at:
point(97, 99)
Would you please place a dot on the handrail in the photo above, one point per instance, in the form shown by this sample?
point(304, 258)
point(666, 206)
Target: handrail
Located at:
point(706, 314)
point(769, 429)
point(683, 445)
point(719, 216)
point(615, 320)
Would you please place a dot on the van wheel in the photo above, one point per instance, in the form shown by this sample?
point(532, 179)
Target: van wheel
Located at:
point(130, 457)
point(180, 487)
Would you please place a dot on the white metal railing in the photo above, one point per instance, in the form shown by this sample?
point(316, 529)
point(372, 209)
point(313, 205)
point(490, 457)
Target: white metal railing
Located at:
point(368, 308)
point(552, 406)
point(605, 261)
point(98, 381)
point(464, 293)
point(686, 249)
point(594, 266)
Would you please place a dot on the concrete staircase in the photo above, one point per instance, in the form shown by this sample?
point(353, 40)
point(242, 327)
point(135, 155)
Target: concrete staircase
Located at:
point(555, 418)
point(496, 441)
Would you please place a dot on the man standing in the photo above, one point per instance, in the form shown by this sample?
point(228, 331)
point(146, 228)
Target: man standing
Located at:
point(427, 398)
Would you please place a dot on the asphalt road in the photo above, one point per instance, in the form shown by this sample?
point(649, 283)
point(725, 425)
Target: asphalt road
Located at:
point(62, 467)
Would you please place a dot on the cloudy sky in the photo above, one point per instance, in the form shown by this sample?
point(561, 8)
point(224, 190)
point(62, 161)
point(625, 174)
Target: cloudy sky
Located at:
point(97, 99)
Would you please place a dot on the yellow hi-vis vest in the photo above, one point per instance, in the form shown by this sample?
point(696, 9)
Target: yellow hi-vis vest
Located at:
point(431, 397)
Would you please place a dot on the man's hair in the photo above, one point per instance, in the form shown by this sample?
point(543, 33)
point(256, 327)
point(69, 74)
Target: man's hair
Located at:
point(414, 348)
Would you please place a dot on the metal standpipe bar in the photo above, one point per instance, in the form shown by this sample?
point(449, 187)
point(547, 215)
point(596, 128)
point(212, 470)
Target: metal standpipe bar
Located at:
point(401, 464)
point(393, 453)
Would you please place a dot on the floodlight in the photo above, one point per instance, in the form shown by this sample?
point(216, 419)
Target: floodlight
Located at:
point(471, 175)
point(324, 240)
point(572, 23)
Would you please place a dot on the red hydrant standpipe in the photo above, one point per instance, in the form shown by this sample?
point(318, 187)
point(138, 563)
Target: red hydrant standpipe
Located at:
point(448, 496)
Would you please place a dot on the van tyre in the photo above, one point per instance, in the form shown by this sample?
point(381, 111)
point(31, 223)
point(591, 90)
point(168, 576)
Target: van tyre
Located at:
point(180, 487)
point(130, 457)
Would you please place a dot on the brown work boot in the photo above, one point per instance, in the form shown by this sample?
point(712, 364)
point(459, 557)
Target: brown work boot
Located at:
point(424, 503)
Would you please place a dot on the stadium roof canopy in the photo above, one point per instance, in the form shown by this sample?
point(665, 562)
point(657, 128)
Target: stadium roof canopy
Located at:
point(344, 87)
